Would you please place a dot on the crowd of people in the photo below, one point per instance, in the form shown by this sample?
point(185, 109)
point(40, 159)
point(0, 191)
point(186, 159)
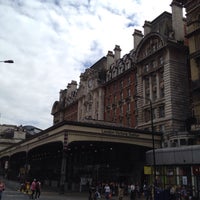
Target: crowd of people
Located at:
point(135, 192)
point(109, 190)
point(33, 189)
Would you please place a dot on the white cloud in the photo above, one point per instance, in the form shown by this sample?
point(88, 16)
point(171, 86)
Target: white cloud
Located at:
point(53, 41)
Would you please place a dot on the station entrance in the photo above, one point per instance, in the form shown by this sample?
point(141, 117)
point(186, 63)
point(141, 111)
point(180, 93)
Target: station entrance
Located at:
point(74, 154)
point(100, 162)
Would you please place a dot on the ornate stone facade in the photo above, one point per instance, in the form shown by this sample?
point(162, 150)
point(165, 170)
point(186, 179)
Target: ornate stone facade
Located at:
point(162, 77)
point(193, 35)
point(91, 93)
point(66, 107)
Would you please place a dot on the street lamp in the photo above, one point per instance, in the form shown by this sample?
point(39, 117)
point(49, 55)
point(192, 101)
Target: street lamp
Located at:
point(7, 61)
point(153, 140)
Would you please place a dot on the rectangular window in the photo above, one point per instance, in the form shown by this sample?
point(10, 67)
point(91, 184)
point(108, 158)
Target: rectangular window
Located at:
point(154, 82)
point(108, 100)
point(161, 111)
point(121, 110)
point(121, 96)
point(114, 112)
point(128, 107)
point(115, 99)
point(128, 121)
point(162, 92)
point(154, 93)
point(154, 64)
point(129, 92)
point(154, 113)
point(121, 84)
point(147, 96)
point(162, 128)
point(161, 76)
point(161, 60)
point(183, 142)
point(146, 82)
point(129, 80)
point(147, 115)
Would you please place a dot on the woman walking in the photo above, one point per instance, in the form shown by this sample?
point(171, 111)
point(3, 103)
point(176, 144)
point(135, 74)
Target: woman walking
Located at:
point(33, 187)
point(37, 189)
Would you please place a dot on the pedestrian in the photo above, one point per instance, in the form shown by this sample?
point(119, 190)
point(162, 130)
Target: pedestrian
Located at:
point(37, 189)
point(172, 192)
point(33, 186)
point(2, 188)
point(91, 192)
point(137, 188)
point(97, 195)
point(132, 192)
point(121, 192)
point(149, 192)
point(107, 191)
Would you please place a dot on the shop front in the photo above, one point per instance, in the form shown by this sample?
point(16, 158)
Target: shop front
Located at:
point(176, 167)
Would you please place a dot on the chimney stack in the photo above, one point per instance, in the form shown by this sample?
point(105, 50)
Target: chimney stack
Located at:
point(177, 20)
point(110, 59)
point(117, 51)
point(137, 37)
point(147, 27)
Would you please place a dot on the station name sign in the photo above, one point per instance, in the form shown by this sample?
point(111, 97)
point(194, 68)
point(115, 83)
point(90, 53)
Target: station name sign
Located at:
point(43, 136)
point(119, 133)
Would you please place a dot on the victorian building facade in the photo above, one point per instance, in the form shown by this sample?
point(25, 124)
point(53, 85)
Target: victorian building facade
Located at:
point(193, 35)
point(12, 134)
point(162, 77)
point(156, 83)
point(120, 89)
point(155, 70)
point(67, 106)
point(90, 94)
point(180, 165)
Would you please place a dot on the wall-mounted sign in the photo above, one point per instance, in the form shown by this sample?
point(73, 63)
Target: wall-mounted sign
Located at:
point(184, 179)
point(147, 170)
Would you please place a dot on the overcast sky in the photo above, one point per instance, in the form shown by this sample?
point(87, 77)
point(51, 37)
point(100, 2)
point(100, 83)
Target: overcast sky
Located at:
point(53, 41)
